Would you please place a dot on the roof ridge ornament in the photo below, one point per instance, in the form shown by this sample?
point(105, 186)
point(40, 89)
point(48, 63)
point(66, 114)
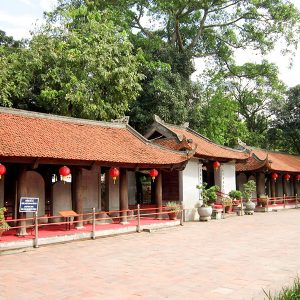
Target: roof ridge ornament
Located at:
point(158, 119)
point(123, 120)
point(244, 145)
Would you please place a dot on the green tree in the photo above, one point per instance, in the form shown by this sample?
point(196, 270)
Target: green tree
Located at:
point(207, 28)
point(14, 77)
point(255, 88)
point(83, 69)
point(287, 123)
point(175, 32)
point(217, 117)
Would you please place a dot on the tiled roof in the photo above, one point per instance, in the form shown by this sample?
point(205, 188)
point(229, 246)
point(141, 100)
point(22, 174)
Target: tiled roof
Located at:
point(251, 164)
point(207, 148)
point(274, 161)
point(173, 143)
point(26, 134)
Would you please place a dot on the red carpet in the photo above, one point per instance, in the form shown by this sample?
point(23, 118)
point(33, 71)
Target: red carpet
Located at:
point(49, 230)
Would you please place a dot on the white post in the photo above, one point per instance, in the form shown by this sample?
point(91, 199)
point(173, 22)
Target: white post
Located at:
point(94, 224)
point(36, 230)
point(138, 218)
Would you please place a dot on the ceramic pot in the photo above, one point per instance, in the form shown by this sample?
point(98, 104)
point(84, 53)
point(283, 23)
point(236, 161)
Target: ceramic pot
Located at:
point(205, 213)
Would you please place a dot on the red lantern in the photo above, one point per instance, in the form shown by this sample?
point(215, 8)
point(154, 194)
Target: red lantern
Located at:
point(2, 170)
point(298, 177)
point(114, 173)
point(287, 177)
point(153, 173)
point(64, 172)
point(274, 176)
point(216, 165)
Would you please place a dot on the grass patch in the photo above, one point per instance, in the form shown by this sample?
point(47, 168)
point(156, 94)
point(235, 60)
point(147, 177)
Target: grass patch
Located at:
point(287, 293)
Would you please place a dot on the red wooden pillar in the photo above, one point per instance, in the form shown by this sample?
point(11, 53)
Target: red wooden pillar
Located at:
point(158, 193)
point(123, 195)
point(77, 194)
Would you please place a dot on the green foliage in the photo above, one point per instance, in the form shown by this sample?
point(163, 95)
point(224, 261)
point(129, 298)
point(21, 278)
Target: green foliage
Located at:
point(287, 123)
point(208, 195)
point(85, 67)
point(173, 206)
point(287, 293)
point(3, 224)
point(234, 194)
point(217, 117)
point(254, 89)
point(249, 188)
point(208, 28)
point(178, 31)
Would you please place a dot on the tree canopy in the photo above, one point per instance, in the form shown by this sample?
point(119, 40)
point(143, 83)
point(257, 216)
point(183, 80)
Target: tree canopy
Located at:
point(88, 70)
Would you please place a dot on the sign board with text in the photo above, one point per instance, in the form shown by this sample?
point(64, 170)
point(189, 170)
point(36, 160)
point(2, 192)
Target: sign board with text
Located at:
point(29, 204)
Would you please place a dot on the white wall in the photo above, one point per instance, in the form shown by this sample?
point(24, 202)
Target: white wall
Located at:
point(189, 178)
point(225, 177)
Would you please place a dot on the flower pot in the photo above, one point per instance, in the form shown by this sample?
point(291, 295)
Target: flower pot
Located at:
point(228, 209)
point(172, 215)
point(205, 213)
point(250, 206)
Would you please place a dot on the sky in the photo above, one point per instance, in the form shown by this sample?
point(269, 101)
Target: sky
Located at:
point(19, 17)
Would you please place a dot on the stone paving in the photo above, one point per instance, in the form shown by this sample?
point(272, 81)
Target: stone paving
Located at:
point(228, 259)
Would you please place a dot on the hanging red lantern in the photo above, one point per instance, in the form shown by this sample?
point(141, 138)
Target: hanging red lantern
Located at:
point(2, 170)
point(298, 177)
point(274, 176)
point(64, 172)
point(216, 165)
point(287, 177)
point(153, 173)
point(114, 173)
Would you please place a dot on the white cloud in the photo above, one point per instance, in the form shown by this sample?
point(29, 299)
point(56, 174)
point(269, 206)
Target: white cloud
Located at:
point(47, 5)
point(27, 2)
point(18, 26)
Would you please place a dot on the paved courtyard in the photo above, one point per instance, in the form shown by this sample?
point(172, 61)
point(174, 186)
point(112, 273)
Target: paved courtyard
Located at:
point(231, 259)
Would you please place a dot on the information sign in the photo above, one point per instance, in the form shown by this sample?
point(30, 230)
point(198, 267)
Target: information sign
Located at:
point(29, 204)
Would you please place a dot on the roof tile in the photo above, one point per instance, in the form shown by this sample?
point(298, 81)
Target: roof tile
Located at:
point(43, 136)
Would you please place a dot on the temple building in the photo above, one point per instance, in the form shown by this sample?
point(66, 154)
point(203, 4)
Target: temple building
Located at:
point(37, 150)
point(276, 174)
point(211, 163)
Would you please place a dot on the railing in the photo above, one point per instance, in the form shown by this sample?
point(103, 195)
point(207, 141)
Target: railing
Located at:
point(266, 202)
point(35, 224)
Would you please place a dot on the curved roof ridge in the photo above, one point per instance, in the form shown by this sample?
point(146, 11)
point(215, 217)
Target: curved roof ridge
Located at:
point(74, 120)
point(274, 151)
point(210, 141)
point(150, 143)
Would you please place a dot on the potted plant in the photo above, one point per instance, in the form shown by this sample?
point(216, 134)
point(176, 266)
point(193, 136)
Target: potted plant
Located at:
point(208, 197)
point(263, 200)
point(3, 224)
point(249, 188)
point(227, 202)
point(236, 197)
point(173, 209)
